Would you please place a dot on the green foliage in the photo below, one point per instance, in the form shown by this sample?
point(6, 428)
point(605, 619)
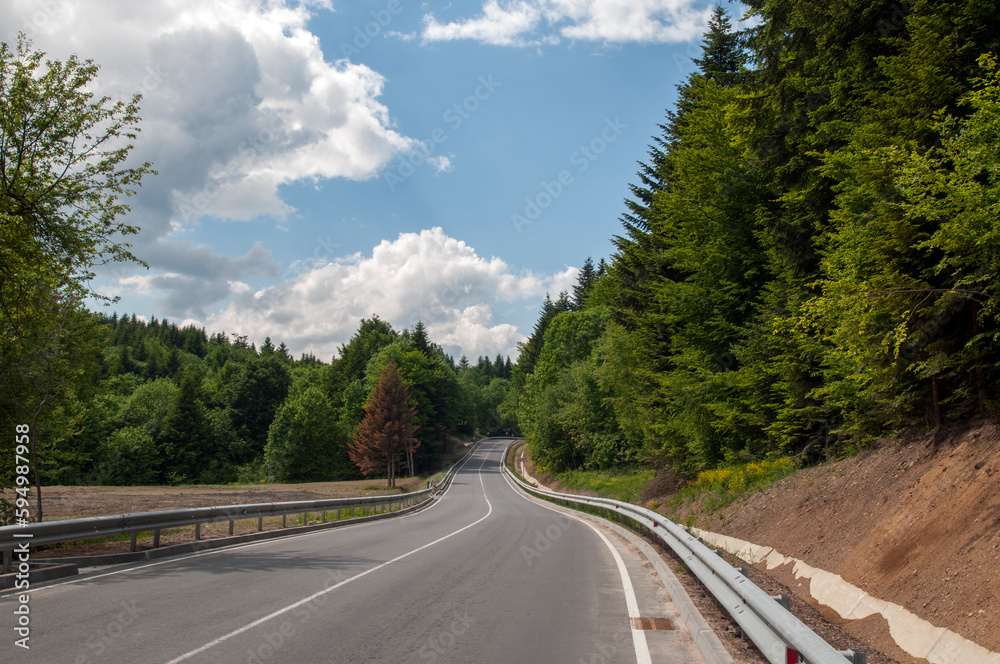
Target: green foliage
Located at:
point(253, 394)
point(128, 457)
point(721, 486)
point(62, 192)
point(809, 259)
point(304, 443)
point(623, 485)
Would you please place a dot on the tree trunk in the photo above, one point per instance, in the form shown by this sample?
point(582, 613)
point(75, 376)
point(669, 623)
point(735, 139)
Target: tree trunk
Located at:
point(936, 406)
point(34, 463)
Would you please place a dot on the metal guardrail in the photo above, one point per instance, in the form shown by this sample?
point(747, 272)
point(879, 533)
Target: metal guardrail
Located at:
point(73, 530)
point(780, 636)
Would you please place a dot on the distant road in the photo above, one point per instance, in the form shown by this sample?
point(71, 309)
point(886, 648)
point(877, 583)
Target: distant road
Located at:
point(484, 575)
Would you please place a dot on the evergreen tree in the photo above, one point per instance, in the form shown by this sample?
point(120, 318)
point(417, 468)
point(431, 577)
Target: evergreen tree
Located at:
point(584, 283)
point(183, 438)
point(419, 338)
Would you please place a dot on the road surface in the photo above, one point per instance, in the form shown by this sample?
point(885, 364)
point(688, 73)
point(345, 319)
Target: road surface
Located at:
point(483, 575)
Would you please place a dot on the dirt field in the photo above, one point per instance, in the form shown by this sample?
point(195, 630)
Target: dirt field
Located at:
point(74, 502)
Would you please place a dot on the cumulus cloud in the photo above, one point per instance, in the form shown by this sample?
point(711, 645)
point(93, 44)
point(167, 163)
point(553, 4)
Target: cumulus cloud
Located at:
point(426, 276)
point(238, 100)
point(500, 25)
point(530, 22)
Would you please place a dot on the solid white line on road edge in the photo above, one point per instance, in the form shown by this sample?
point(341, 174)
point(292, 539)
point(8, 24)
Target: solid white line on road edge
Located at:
point(639, 642)
point(237, 547)
point(638, 636)
point(291, 607)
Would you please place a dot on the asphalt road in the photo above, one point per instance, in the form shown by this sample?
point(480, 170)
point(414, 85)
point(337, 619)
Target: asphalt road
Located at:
point(483, 575)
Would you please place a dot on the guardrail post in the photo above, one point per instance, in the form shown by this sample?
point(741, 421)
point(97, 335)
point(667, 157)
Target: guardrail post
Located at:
point(260, 523)
point(8, 558)
point(132, 541)
point(783, 600)
point(305, 518)
point(324, 516)
point(284, 520)
point(854, 656)
point(230, 527)
point(197, 531)
point(338, 514)
point(156, 538)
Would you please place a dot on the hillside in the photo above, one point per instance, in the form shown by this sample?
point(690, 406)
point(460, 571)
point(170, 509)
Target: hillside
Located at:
point(913, 522)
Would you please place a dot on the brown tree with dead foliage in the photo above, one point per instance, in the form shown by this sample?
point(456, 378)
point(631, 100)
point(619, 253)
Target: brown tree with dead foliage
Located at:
point(386, 428)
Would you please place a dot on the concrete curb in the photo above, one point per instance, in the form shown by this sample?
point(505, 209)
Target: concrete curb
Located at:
point(41, 572)
point(707, 641)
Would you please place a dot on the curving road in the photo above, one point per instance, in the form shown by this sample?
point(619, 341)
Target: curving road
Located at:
point(483, 575)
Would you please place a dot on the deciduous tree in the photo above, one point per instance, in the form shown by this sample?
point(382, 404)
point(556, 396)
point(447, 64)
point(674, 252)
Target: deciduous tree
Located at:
point(387, 427)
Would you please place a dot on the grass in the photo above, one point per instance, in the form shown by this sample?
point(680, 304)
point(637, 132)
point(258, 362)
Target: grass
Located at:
point(620, 484)
point(721, 486)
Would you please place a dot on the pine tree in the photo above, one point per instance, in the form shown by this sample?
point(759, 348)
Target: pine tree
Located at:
point(723, 57)
point(584, 283)
point(387, 427)
point(419, 338)
point(183, 439)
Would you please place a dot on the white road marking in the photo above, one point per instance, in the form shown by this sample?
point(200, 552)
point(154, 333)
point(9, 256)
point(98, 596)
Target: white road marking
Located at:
point(291, 607)
point(639, 642)
point(236, 547)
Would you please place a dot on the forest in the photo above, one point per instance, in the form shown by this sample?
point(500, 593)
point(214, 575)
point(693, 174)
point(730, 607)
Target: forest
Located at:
point(170, 405)
point(807, 262)
point(809, 257)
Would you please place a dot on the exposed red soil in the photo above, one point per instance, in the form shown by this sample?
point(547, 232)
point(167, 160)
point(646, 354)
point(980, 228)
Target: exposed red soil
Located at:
point(916, 523)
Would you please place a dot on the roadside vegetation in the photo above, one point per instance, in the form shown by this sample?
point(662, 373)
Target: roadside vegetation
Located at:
point(809, 260)
point(622, 484)
point(720, 487)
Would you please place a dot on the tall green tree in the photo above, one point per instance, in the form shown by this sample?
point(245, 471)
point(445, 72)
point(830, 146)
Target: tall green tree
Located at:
point(304, 443)
point(62, 190)
point(254, 394)
point(184, 441)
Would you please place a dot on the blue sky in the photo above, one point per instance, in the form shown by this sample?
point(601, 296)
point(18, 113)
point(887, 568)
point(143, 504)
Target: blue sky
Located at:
point(320, 162)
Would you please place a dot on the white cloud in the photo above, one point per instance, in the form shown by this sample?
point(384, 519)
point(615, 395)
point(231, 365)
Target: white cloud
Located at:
point(503, 26)
point(530, 22)
point(238, 100)
point(440, 163)
point(426, 276)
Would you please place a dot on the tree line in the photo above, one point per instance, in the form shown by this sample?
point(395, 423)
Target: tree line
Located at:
point(809, 258)
point(174, 405)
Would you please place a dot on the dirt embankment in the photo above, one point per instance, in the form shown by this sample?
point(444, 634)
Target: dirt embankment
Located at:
point(915, 523)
